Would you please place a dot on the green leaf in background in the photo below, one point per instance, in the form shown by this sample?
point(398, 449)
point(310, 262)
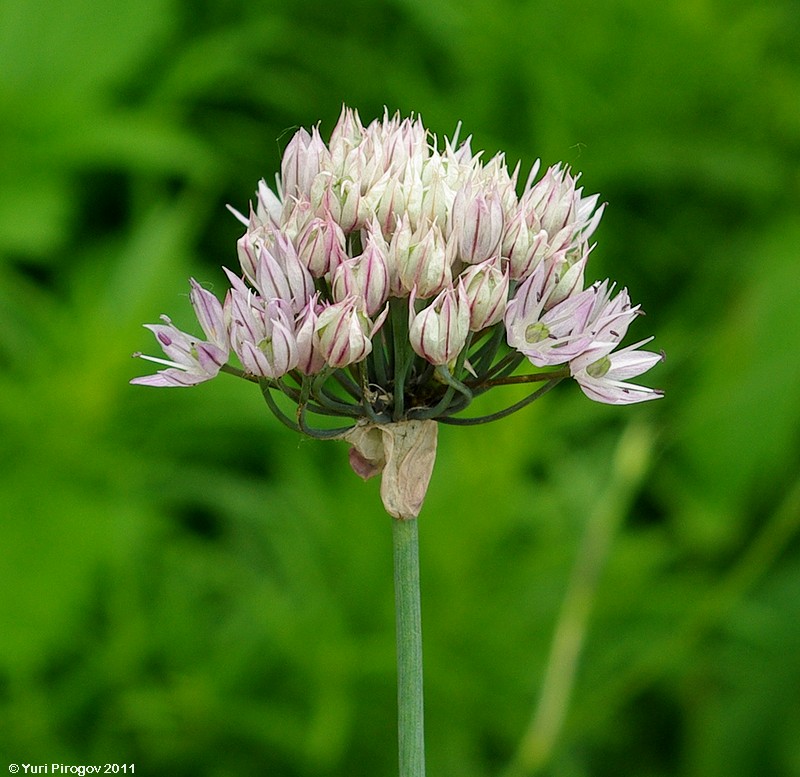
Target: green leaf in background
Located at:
point(739, 431)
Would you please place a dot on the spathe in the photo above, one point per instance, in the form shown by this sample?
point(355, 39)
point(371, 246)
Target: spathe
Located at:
point(404, 453)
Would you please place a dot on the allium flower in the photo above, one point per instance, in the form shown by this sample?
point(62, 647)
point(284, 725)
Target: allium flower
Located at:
point(365, 276)
point(303, 160)
point(389, 278)
point(344, 331)
point(321, 246)
point(279, 274)
point(425, 267)
point(261, 331)
point(477, 218)
point(193, 360)
point(486, 286)
point(310, 359)
point(438, 332)
point(542, 322)
point(602, 375)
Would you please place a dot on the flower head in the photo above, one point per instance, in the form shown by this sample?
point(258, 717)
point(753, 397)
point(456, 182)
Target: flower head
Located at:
point(392, 277)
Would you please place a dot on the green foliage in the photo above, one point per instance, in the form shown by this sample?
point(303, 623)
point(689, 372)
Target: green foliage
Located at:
point(188, 586)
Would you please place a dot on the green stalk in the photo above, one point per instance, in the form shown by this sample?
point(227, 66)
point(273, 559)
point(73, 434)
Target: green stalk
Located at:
point(410, 728)
point(399, 317)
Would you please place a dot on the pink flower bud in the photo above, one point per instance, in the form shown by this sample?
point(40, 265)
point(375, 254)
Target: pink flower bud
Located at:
point(310, 359)
point(438, 332)
point(344, 333)
point(304, 158)
point(347, 135)
point(426, 267)
point(397, 255)
point(523, 246)
point(321, 246)
point(388, 199)
point(262, 334)
point(365, 276)
point(297, 213)
point(495, 175)
point(342, 199)
point(477, 222)
point(556, 205)
point(280, 275)
point(486, 286)
point(403, 141)
point(343, 284)
point(373, 271)
point(347, 207)
point(248, 248)
point(437, 196)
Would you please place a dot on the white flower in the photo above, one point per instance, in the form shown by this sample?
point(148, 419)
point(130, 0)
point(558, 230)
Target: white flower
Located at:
point(191, 361)
point(603, 376)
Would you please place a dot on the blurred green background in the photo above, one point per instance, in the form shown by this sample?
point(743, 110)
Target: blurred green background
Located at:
point(187, 586)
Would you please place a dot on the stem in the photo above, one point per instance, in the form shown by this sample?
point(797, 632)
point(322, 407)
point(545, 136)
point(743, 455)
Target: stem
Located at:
point(410, 730)
point(231, 370)
point(279, 414)
point(536, 377)
point(484, 419)
point(399, 317)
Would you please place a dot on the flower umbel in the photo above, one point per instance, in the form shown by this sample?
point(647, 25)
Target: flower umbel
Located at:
point(390, 279)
